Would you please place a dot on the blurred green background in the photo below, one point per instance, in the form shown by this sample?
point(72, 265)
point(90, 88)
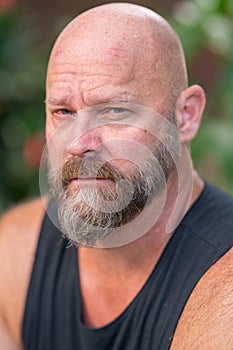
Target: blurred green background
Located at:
point(27, 32)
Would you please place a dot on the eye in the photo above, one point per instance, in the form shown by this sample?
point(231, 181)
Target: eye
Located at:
point(114, 113)
point(117, 110)
point(63, 113)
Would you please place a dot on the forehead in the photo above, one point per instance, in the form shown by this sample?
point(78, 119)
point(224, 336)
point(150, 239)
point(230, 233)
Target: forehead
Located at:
point(98, 55)
point(89, 71)
point(111, 41)
point(86, 57)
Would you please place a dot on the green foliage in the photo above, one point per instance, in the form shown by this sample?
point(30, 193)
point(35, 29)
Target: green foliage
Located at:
point(209, 24)
point(201, 24)
point(22, 72)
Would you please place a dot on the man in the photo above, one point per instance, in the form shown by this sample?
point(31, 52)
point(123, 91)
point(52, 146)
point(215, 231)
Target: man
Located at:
point(150, 265)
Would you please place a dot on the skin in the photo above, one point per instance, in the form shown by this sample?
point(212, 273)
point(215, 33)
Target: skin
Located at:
point(99, 58)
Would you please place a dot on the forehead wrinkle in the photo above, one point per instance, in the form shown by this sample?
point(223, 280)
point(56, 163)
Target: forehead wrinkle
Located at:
point(88, 84)
point(116, 52)
point(112, 39)
point(105, 65)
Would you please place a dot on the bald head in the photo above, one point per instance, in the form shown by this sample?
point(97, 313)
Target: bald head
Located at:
point(124, 43)
point(113, 58)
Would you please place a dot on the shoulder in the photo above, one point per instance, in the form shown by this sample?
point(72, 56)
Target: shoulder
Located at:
point(207, 320)
point(21, 215)
point(19, 232)
point(19, 229)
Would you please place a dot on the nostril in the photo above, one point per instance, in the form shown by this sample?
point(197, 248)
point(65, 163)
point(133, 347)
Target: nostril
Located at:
point(88, 143)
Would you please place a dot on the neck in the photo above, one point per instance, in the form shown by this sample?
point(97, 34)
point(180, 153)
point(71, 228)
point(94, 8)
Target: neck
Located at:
point(115, 276)
point(142, 253)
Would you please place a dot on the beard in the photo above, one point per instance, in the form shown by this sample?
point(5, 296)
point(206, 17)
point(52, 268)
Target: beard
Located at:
point(89, 215)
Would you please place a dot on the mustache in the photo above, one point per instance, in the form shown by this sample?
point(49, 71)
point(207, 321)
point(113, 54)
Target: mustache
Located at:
point(89, 167)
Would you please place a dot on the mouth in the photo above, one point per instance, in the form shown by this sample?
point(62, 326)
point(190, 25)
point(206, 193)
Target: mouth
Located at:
point(89, 172)
point(77, 183)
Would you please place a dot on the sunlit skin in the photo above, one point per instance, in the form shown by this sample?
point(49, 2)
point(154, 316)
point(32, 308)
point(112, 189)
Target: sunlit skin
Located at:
point(116, 53)
point(88, 69)
point(94, 63)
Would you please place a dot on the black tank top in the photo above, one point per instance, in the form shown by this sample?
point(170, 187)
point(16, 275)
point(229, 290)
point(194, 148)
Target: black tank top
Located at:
point(52, 319)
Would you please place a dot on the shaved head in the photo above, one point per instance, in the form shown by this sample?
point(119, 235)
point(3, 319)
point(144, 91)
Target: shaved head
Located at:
point(126, 43)
point(126, 63)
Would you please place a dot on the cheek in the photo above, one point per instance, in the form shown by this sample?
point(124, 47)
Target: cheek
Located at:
point(130, 148)
point(133, 138)
point(49, 129)
point(129, 132)
point(56, 155)
point(142, 138)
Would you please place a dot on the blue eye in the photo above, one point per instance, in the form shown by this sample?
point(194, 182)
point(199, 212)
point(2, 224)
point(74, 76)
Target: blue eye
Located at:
point(118, 110)
point(114, 113)
point(65, 111)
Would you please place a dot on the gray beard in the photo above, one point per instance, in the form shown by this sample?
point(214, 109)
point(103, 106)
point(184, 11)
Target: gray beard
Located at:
point(90, 215)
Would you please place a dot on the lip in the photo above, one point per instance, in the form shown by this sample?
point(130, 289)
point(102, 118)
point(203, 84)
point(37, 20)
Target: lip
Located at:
point(89, 179)
point(84, 182)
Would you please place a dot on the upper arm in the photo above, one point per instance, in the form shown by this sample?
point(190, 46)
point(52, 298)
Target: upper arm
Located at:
point(6, 342)
point(19, 231)
point(207, 320)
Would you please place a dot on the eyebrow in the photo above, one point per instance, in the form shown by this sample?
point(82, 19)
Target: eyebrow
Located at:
point(55, 102)
point(111, 98)
point(67, 101)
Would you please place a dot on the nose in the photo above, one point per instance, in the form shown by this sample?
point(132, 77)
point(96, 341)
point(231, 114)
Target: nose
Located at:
point(88, 143)
point(86, 135)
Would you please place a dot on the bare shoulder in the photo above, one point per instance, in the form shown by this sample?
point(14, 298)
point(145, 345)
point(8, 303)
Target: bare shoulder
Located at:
point(207, 320)
point(19, 232)
point(19, 228)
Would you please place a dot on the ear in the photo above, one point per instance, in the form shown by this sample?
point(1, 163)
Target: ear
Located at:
point(189, 108)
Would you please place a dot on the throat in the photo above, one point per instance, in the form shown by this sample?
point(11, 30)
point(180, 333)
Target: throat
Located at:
point(107, 293)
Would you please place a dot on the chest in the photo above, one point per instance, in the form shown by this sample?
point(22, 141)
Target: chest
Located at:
point(53, 319)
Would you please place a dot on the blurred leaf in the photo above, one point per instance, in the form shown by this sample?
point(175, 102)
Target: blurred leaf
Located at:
point(203, 25)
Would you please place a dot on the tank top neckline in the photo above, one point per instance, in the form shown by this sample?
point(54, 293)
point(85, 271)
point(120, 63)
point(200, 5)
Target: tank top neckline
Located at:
point(178, 231)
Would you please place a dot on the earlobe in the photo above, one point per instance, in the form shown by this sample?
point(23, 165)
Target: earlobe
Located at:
point(189, 108)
